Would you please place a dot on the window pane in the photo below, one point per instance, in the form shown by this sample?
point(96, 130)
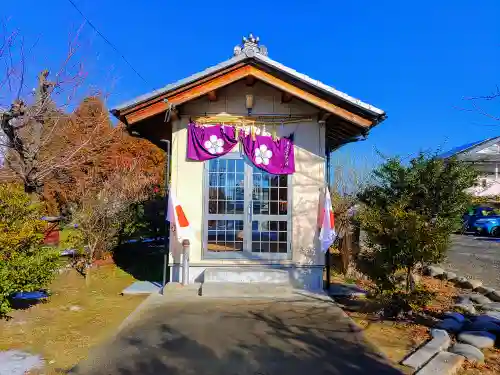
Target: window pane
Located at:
point(273, 225)
point(221, 207)
point(212, 179)
point(224, 235)
point(273, 180)
point(282, 236)
point(273, 247)
point(282, 247)
point(239, 207)
point(231, 166)
point(274, 194)
point(283, 181)
point(213, 165)
point(240, 165)
point(274, 208)
point(283, 194)
point(283, 208)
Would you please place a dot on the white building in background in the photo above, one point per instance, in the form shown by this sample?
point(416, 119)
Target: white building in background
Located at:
point(485, 157)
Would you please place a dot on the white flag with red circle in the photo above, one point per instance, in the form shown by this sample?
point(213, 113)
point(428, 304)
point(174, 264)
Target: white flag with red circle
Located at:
point(176, 216)
point(327, 232)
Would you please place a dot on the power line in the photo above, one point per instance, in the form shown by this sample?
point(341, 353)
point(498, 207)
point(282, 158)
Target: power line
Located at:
point(108, 42)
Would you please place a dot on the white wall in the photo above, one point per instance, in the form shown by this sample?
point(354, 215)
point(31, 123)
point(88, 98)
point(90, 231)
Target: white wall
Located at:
point(307, 182)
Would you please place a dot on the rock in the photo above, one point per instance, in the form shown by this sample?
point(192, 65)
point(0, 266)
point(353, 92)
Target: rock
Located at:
point(75, 308)
point(463, 299)
point(472, 284)
point(450, 325)
point(478, 298)
point(467, 308)
point(492, 306)
point(449, 276)
point(470, 352)
point(484, 325)
point(484, 290)
point(455, 315)
point(489, 316)
point(494, 295)
point(439, 333)
point(445, 363)
point(16, 362)
point(460, 281)
point(433, 271)
point(440, 341)
point(479, 339)
point(345, 290)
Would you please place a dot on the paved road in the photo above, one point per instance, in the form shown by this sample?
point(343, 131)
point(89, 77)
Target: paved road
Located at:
point(238, 337)
point(476, 257)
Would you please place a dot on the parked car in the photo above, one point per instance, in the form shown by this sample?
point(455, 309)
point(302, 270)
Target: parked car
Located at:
point(488, 226)
point(474, 214)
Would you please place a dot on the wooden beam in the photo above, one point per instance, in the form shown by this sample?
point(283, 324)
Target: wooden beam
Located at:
point(310, 98)
point(203, 88)
point(286, 97)
point(250, 80)
point(180, 89)
point(212, 96)
point(190, 94)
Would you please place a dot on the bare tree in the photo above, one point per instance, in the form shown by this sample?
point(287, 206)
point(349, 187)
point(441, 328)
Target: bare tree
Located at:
point(481, 104)
point(36, 127)
point(104, 205)
point(348, 180)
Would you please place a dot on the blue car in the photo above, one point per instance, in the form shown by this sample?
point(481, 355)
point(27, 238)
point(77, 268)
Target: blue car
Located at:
point(474, 214)
point(488, 226)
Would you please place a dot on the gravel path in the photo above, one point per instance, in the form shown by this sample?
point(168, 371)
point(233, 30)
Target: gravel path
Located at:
point(475, 257)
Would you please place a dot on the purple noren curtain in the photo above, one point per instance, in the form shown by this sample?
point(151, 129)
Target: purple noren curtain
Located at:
point(209, 142)
point(275, 157)
point(272, 156)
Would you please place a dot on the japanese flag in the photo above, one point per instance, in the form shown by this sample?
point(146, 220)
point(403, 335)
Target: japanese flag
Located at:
point(176, 216)
point(327, 223)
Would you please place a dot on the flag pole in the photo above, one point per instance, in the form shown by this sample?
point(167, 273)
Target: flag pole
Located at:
point(167, 227)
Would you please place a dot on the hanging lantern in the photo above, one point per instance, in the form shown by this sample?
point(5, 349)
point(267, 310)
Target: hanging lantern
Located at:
point(249, 103)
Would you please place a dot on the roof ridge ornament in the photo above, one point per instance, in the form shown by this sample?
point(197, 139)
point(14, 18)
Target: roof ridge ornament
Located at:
point(250, 47)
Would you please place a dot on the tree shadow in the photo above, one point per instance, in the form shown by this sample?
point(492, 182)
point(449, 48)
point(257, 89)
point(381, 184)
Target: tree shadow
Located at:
point(258, 338)
point(141, 247)
point(487, 239)
point(144, 261)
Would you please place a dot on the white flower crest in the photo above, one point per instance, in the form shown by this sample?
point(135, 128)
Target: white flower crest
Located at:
point(263, 155)
point(214, 145)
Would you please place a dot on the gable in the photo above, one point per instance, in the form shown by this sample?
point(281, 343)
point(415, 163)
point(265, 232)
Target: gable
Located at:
point(493, 149)
point(178, 97)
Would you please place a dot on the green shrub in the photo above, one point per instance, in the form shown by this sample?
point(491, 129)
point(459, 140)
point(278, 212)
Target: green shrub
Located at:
point(409, 213)
point(25, 265)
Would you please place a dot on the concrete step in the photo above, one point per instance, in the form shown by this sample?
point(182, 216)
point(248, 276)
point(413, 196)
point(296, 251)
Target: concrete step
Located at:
point(250, 275)
point(440, 341)
point(444, 363)
point(247, 290)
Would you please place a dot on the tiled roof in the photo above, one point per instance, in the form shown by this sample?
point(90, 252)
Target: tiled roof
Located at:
point(464, 148)
point(261, 58)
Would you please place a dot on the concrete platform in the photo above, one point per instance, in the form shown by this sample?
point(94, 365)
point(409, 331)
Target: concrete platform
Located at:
point(142, 287)
point(244, 337)
point(246, 275)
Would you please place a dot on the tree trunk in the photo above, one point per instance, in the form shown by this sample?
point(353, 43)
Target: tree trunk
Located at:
point(410, 279)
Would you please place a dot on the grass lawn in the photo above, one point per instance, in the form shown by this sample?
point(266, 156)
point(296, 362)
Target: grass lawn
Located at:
point(78, 315)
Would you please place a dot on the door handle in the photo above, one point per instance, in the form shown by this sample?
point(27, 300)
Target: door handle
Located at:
point(250, 212)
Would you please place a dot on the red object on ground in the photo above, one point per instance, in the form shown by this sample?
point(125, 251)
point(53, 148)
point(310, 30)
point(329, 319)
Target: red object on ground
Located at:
point(52, 237)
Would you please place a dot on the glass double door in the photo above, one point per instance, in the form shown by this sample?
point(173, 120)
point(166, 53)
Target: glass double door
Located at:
point(247, 211)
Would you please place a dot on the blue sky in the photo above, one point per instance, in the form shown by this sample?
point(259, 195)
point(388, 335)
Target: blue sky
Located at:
point(415, 60)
